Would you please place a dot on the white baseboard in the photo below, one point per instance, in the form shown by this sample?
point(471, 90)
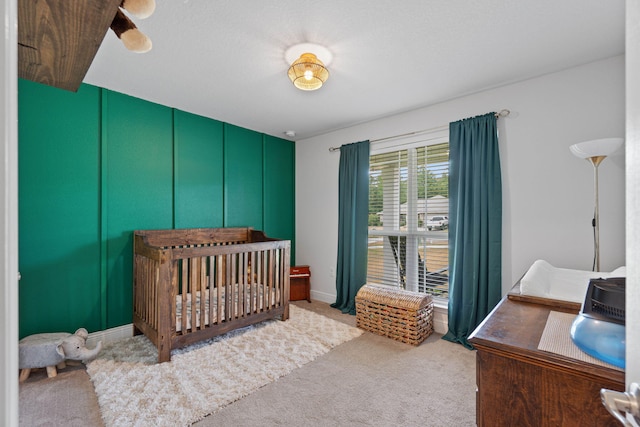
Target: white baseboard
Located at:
point(323, 296)
point(110, 335)
point(440, 320)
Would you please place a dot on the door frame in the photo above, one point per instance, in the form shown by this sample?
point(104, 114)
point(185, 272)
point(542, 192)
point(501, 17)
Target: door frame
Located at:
point(632, 159)
point(9, 218)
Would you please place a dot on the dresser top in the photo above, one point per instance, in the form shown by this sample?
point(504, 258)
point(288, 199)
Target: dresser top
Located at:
point(514, 329)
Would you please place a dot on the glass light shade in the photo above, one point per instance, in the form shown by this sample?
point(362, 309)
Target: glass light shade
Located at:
point(596, 147)
point(308, 72)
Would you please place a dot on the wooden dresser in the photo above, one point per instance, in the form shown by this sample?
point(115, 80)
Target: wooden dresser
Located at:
point(519, 385)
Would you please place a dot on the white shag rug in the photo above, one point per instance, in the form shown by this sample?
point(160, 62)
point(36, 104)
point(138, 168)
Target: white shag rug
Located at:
point(134, 390)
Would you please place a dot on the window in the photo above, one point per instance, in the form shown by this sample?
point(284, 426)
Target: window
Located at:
point(409, 216)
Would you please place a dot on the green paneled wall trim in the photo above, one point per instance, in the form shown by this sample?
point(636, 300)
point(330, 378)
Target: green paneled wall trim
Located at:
point(198, 170)
point(96, 165)
point(59, 209)
point(137, 186)
point(243, 178)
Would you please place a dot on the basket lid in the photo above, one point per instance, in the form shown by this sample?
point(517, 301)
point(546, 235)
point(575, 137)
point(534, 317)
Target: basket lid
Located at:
point(394, 297)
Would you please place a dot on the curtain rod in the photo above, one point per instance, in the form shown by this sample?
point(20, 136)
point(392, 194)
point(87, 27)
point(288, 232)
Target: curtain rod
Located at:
point(501, 113)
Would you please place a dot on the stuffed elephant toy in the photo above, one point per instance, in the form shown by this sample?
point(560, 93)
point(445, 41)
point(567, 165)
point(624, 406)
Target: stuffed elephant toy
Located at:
point(50, 350)
point(73, 347)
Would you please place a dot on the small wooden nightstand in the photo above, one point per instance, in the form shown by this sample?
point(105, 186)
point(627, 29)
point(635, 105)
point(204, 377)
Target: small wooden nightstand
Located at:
point(300, 283)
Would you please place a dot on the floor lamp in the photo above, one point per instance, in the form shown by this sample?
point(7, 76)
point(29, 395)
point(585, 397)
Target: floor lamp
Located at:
point(596, 151)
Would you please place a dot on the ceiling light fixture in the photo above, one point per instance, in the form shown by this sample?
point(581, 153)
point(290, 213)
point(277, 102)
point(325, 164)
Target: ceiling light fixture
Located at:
point(308, 71)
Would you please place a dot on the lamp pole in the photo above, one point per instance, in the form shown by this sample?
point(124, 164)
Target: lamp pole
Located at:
point(595, 161)
point(596, 151)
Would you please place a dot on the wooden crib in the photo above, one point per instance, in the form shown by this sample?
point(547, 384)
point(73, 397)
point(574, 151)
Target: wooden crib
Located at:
point(193, 284)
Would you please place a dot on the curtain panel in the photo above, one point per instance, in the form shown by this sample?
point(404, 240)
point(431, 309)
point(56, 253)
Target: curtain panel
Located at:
point(475, 225)
point(353, 211)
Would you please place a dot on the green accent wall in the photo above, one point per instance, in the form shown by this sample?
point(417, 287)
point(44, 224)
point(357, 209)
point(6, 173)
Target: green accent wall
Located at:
point(59, 211)
point(199, 170)
point(138, 185)
point(243, 178)
point(279, 189)
point(96, 165)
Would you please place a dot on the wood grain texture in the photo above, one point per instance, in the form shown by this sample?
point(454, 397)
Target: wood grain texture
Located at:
point(521, 385)
point(58, 39)
point(558, 305)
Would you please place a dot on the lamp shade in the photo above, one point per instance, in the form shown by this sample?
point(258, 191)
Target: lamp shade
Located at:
point(596, 148)
point(308, 72)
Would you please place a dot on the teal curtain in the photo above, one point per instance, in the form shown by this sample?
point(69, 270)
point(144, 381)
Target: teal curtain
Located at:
point(475, 224)
point(353, 214)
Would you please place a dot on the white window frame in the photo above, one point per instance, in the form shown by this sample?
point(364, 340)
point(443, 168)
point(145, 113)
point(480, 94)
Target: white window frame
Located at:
point(390, 204)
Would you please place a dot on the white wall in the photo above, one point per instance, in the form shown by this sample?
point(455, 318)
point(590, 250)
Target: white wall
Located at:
point(547, 192)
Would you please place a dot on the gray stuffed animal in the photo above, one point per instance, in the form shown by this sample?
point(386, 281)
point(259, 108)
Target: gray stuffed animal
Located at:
point(50, 350)
point(74, 347)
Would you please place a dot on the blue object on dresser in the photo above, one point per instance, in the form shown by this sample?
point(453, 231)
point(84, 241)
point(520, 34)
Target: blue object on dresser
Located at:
point(600, 339)
point(599, 329)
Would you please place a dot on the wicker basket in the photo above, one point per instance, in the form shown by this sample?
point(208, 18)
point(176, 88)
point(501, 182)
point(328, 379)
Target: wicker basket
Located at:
point(402, 315)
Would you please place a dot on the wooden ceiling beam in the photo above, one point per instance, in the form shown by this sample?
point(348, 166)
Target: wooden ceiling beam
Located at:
point(58, 39)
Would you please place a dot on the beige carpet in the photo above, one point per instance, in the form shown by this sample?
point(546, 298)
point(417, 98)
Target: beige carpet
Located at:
point(369, 381)
point(133, 390)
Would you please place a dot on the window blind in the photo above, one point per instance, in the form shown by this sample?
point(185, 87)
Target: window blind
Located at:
point(408, 217)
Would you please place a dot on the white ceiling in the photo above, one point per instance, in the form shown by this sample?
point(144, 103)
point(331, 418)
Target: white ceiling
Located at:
point(224, 59)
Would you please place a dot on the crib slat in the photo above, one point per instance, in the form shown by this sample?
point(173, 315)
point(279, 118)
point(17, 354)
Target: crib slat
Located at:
point(237, 287)
point(252, 284)
point(203, 292)
point(184, 292)
point(233, 293)
point(194, 289)
point(194, 296)
point(287, 282)
point(228, 295)
point(260, 282)
point(242, 286)
point(237, 295)
point(263, 280)
point(175, 283)
point(276, 279)
point(212, 289)
point(199, 290)
point(152, 296)
point(272, 274)
point(201, 286)
point(279, 266)
point(220, 275)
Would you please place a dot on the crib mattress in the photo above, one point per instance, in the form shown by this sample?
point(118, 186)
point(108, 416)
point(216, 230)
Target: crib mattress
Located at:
point(255, 290)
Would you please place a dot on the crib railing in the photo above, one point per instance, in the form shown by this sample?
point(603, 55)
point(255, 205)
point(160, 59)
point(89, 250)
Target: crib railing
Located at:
point(208, 282)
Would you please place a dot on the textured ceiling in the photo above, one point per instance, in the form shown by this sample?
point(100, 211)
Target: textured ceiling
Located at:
point(225, 58)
